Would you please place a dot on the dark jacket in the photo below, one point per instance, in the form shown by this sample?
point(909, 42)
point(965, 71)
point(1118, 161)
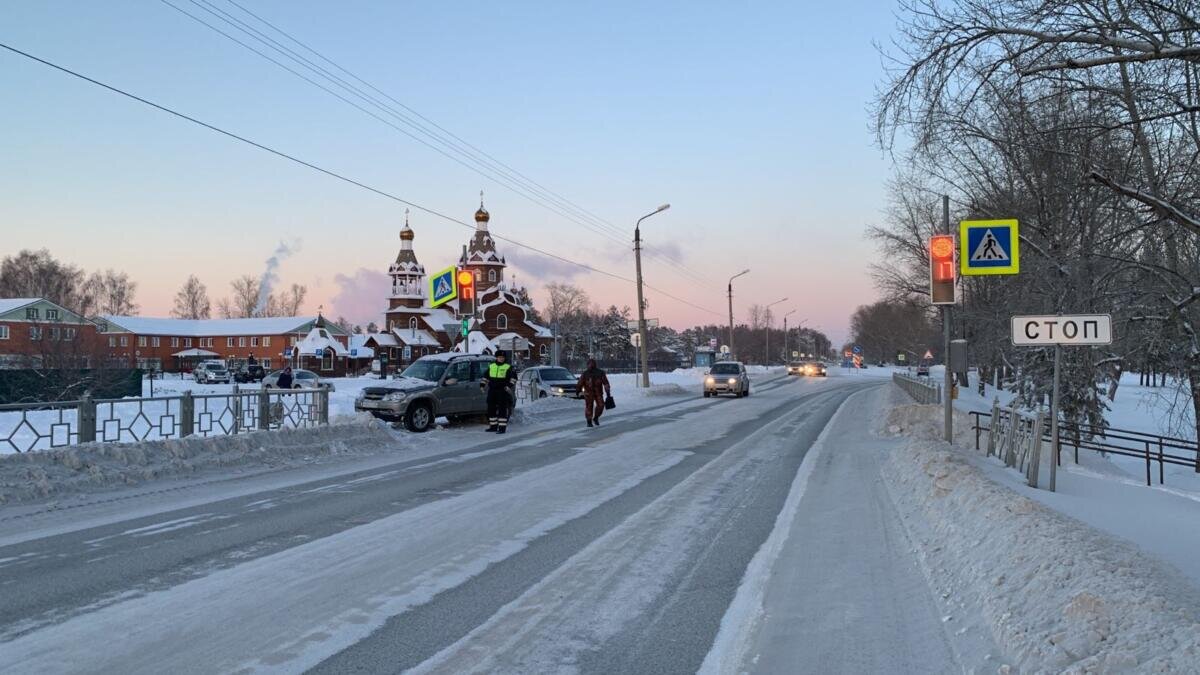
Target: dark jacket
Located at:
point(284, 381)
point(594, 382)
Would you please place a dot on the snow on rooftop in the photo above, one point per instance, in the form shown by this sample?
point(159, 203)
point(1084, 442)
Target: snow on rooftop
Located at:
point(9, 304)
point(143, 325)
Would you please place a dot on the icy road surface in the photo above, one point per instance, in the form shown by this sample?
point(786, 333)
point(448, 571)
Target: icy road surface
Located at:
point(554, 549)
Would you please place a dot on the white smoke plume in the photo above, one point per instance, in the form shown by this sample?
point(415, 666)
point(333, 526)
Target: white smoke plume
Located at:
point(270, 275)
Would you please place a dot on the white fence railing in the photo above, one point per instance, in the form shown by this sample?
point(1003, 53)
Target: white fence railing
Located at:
point(921, 389)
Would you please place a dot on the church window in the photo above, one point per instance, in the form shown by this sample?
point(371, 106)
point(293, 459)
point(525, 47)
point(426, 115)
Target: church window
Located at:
point(478, 277)
point(502, 321)
point(491, 275)
point(412, 323)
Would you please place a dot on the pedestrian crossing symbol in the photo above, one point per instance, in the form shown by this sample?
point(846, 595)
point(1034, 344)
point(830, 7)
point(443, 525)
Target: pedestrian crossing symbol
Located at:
point(989, 247)
point(442, 287)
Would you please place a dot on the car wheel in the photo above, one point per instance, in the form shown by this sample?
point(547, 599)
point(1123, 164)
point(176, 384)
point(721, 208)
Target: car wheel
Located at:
point(419, 418)
point(296, 386)
point(542, 394)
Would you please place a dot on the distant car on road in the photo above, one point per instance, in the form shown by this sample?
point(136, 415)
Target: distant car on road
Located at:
point(815, 369)
point(438, 385)
point(727, 377)
point(923, 370)
point(548, 381)
point(211, 372)
point(301, 379)
point(795, 368)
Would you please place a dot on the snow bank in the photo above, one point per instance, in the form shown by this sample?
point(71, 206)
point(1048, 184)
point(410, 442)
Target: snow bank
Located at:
point(1058, 595)
point(94, 466)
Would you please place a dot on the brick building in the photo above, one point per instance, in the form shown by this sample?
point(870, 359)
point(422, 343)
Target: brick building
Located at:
point(35, 333)
point(174, 345)
point(496, 314)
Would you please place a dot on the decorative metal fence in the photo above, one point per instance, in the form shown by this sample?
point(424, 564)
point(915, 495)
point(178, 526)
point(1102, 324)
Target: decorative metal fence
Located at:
point(1015, 437)
point(920, 389)
point(40, 426)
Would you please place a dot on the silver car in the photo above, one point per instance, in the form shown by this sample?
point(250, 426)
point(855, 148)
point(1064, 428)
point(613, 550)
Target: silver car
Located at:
point(545, 381)
point(209, 372)
point(727, 377)
point(301, 379)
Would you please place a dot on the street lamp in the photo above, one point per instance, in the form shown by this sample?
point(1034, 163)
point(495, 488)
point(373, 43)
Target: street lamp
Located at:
point(637, 250)
point(785, 334)
point(746, 271)
point(766, 310)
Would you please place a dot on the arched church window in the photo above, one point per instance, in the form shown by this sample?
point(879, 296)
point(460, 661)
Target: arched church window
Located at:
point(502, 321)
point(412, 323)
point(491, 275)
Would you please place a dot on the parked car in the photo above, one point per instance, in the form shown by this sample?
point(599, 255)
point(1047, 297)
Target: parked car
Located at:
point(211, 372)
point(438, 385)
point(301, 379)
point(923, 370)
point(795, 368)
point(815, 369)
point(548, 381)
point(249, 373)
point(727, 377)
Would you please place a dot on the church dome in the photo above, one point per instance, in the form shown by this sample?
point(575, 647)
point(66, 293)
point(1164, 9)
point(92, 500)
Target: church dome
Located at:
point(482, 216)
point(406, 234)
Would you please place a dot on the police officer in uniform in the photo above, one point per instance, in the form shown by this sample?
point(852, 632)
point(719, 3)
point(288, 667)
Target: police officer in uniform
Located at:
point(501, 380)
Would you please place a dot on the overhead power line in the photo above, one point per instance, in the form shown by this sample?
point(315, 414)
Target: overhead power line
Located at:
point(453, 148)
point(331, 173)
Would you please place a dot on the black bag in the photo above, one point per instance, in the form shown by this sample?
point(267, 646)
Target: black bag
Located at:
point(609, 403)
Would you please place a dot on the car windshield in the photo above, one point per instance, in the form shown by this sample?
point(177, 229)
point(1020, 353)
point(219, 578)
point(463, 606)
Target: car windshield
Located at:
point(725, 369)
point(426, 370)
point(215, 367)
point(556, 374)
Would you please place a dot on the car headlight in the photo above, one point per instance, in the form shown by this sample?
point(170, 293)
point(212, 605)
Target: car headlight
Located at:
point(710, 381)
point(395, 396)
point(733, 380)
point(557, 390)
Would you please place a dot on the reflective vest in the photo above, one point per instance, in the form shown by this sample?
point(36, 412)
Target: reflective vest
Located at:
point(499, 371)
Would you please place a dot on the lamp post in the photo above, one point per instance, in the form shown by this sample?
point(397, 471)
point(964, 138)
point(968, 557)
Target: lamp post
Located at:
point(766, 310)
point(731, 352)
point(637, 250)
point(785, 334)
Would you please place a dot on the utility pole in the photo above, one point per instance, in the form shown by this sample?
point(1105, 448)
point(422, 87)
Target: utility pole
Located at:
point(637, 250)
point(947, 404)
point(785, 335)
point(732, 353)
point(767, 356)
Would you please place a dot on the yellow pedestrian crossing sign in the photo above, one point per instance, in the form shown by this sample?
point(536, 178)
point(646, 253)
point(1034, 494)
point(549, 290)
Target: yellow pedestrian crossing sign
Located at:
point(989, 247)
point(442, 287)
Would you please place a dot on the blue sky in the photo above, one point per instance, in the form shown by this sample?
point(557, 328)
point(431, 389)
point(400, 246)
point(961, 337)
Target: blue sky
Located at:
point(749, 118)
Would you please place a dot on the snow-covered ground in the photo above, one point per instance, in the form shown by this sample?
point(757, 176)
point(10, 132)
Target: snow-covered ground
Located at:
point(1101, 576)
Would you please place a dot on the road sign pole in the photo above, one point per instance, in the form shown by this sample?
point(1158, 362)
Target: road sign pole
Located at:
point(946, 316)
point(1054, 418)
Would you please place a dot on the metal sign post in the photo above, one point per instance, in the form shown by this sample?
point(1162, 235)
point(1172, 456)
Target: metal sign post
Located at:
point(1080, 330)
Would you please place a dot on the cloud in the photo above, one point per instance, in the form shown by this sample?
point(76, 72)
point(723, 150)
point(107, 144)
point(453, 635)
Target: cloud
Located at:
point(362, 296)
point(542, 267)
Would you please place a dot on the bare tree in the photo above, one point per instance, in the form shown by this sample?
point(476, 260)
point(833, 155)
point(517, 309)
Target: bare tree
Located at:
point(242, 301)
point(287, 302)
point(111, 292)
point(36, 274)
point(191, 302)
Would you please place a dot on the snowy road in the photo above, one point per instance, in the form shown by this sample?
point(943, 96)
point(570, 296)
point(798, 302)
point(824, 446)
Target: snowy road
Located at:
point(558, 548)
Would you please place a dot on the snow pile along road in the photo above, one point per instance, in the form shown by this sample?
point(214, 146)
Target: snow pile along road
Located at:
point(1058, 595)
point(95, 466)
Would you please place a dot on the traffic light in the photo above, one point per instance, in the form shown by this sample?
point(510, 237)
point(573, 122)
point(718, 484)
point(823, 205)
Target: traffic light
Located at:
point(466, 285)
point(941, 269)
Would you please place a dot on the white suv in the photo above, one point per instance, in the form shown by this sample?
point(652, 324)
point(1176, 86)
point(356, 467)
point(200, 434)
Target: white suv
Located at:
point(208, 372)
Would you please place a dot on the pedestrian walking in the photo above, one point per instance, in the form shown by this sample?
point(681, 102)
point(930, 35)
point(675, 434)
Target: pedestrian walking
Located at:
point(500, 383)
point(285, 379)
point(593, 385)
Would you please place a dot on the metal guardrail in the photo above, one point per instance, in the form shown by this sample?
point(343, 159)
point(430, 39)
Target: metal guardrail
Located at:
point(920, 389)
point(41, 426)
point(1149, 448)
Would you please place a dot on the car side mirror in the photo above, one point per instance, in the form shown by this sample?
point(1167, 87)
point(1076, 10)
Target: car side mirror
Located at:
point(449, 381)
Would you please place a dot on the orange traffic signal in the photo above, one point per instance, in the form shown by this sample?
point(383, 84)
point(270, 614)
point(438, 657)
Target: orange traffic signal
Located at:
point(941, 269)
point(466, 284)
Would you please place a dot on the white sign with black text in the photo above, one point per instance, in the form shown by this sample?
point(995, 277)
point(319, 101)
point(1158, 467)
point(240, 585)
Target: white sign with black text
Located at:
point(1068, 330)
